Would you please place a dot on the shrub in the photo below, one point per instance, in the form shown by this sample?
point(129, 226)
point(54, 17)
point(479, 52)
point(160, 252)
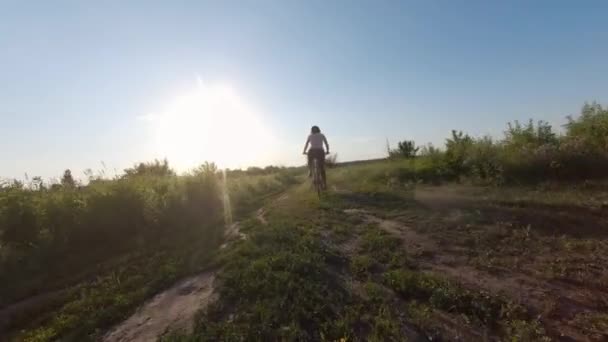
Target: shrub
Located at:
point(405, 149)
point(331, 160)
point(429, 150)
point(521, 137)
point(590, 129)
point(148, 209)
point(67, 180)
point(457, 149)
point(155, 168)
point(19, 223)
point(528, 153)
point(483, 162)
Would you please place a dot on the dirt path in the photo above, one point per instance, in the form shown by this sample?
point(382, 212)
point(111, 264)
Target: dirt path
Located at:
point(172, 309)
point(175, 308)
point(8, 313)
point(260, 215)
point(542, 296)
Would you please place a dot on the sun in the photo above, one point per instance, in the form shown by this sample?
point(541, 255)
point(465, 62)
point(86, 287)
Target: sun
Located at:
point(212, 123)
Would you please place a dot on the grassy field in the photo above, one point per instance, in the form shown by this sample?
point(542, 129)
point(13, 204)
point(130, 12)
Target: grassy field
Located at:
point(483, 239)
point(73, 280)
point(382, 255)
point(379, 260)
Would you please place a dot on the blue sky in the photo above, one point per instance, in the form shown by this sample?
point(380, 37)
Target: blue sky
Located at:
point(77, 77)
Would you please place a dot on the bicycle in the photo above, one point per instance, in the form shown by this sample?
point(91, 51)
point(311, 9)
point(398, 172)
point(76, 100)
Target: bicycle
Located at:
point(317, 181)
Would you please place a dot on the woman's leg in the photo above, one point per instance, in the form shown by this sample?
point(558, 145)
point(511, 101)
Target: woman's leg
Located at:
point(310, 158)
point(322, 166)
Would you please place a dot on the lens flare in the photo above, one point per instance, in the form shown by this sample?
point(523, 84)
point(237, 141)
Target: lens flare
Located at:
point(212, 123)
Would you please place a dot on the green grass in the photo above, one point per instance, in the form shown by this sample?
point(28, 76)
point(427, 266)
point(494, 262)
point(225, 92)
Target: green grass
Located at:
point(181, 236)
point(118, 292)
point(516, 243)
point(380, 245)
point(275, 285)
point(284, 282)
point(315, 272)
point(594, 324)
point(361, 264)
point(489, 309)
point(290, 280)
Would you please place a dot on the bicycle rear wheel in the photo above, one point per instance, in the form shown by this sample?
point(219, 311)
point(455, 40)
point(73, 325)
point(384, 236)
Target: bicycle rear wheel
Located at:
point(317, 177)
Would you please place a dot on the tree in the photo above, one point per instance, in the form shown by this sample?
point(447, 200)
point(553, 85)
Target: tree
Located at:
point(457, 148)
point(37, 183)
point(67, 180)
point(405, 149)
point(206, 169)
point(590, 128)
point(428, 150)
point(155, 168)
point(331, 160)
point(529, 135)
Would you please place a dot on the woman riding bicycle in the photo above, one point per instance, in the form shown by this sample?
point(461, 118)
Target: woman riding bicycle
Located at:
point(316, 139)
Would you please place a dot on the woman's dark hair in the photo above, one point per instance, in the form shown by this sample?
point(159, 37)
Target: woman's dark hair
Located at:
point(315, 129)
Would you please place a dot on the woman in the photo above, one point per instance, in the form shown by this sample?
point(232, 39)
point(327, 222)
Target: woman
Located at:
point(316, 139)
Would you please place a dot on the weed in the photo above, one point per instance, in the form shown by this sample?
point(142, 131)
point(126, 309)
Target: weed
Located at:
point(361, 264)
point(379, 244)
point(594, 324)
point(442, 294)
point(274, 285)
point(524, 331)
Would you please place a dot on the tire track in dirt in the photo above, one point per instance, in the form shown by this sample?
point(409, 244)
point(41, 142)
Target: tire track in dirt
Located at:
point(27, 307)
point(532, 292)
point(260, 215)
point(176, 307)
point(450, 325)
point(172, 309)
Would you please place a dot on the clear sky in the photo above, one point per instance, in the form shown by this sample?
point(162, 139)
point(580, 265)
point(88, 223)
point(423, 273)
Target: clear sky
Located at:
point(86, 82)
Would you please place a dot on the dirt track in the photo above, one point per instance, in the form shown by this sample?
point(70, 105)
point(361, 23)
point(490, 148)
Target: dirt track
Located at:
point(556, 302)
point(172, 309)
point(176, 307)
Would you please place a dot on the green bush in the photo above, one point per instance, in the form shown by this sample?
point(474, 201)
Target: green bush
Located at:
point(52, 232)
point(457, 149)
point(521, 137)
point(19, 222)
point(528, 153)
point(405, 149)
point(590, 129)
point(484, 162)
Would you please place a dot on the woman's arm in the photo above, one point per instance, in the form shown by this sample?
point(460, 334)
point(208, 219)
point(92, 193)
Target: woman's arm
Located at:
point(306, 145)
point(326, 144)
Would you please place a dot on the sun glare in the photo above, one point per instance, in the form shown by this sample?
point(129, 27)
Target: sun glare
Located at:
point(212, 123)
